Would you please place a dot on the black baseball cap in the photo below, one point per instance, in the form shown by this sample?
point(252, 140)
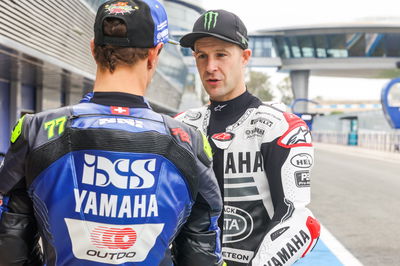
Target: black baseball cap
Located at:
point(146, 22)
point(220, 24)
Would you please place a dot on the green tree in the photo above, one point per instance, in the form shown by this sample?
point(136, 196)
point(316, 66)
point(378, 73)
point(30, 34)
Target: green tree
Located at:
point(285, 88)
point(259, 85)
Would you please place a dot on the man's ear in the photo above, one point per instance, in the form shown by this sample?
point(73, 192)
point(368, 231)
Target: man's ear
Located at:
point(92, 47)
point(246, 54)
point(153, 55)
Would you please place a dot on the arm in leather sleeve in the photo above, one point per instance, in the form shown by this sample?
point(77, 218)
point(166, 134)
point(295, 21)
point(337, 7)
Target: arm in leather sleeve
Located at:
point(293, 230)
point(18, 231)
point(198, 243)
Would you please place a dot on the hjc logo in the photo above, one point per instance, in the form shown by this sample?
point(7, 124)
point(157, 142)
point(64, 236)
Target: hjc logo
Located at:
point(124, 174)
point(113, 238)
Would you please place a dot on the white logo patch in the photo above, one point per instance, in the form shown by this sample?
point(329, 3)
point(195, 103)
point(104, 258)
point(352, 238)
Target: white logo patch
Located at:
point(112, 244)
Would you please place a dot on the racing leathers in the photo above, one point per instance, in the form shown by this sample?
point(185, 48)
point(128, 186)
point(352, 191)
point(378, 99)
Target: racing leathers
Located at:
point(108, 182)
point(262, 160)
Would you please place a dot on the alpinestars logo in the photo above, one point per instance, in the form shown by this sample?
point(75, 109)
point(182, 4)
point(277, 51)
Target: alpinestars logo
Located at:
point(299, 137)
point(210, 20)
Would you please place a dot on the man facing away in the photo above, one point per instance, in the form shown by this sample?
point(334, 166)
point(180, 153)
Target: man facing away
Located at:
point(262, 156)
point(110, 181)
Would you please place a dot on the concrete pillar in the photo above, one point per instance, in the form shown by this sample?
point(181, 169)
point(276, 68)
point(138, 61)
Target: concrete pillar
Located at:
point(76, 89)
point(15, 90)
point(51, 86)
point(66, 87)
point(39, 87)
point(299, 80)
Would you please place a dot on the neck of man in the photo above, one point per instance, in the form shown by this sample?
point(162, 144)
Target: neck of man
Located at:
point(128, 79)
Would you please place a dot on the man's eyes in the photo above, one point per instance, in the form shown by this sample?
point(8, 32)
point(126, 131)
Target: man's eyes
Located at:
point(203, 56)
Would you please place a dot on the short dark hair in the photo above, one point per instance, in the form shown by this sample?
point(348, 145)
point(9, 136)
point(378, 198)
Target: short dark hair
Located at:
point(110, 56)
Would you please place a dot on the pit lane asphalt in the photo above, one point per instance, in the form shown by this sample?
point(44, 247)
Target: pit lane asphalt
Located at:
point(355, 194)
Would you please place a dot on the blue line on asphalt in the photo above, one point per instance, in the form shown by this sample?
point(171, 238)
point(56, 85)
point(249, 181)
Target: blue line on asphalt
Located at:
point(320, 255)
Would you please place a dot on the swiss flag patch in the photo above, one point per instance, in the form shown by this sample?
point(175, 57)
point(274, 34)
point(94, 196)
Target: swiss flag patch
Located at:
point(118, 110)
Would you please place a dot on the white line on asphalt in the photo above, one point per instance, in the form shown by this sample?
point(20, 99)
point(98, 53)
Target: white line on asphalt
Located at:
point(342, 254)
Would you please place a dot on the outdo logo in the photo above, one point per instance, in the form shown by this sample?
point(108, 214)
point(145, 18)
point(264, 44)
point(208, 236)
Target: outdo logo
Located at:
point(123, 173)
point(113, 238)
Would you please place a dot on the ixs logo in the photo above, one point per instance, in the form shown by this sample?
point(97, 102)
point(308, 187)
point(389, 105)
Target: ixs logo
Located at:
point(238, 224)
point(112, 244)
point(123, 173)
point(210, 20)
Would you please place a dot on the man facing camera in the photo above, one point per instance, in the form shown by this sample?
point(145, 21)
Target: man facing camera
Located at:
point(262, 155)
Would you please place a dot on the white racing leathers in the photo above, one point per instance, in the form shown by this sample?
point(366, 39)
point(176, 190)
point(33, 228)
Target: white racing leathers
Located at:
point(267, 157)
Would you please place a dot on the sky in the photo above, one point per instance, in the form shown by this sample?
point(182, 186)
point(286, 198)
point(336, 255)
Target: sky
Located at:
point(264, 14)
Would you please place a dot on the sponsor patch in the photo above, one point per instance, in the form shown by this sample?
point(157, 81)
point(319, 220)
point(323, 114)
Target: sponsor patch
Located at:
point(222, 140)
point(224, 136)
point(297, 135)
point(112, 244)
point(206, 147)
point(162, 35)
point(269, 114)
point(240, 121)
point(183, 135)
point(302, 160)
point(261, 120)
point(219, 107)
point(52, 125)
point(279, 232)
point(238, 224)
point(302, 178)
point(122, 173)
point(120, 8)
point(114, 120)
point(113, 238)
point(287, 251)
point(17, 130)
point(206, 121)
point(243, 162)
point(238, 255)
point(255, 132)
point(192, 115)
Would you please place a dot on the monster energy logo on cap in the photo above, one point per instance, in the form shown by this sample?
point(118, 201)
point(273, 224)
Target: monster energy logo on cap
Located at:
point(210, 20)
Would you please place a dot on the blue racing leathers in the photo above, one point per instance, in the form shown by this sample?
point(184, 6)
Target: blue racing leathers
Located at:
point(108, 185)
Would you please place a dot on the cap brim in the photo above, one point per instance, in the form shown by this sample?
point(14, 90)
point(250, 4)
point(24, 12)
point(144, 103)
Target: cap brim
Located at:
point(189, 39)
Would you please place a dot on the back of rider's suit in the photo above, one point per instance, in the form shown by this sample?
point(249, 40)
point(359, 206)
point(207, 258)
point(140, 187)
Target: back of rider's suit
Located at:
point(265, 158)
point(109, 186)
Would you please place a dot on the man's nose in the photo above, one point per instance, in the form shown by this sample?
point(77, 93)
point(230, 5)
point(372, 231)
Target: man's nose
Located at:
point(212, 65)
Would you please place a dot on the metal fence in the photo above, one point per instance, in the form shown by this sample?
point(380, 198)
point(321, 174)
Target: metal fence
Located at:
point(382, 141)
